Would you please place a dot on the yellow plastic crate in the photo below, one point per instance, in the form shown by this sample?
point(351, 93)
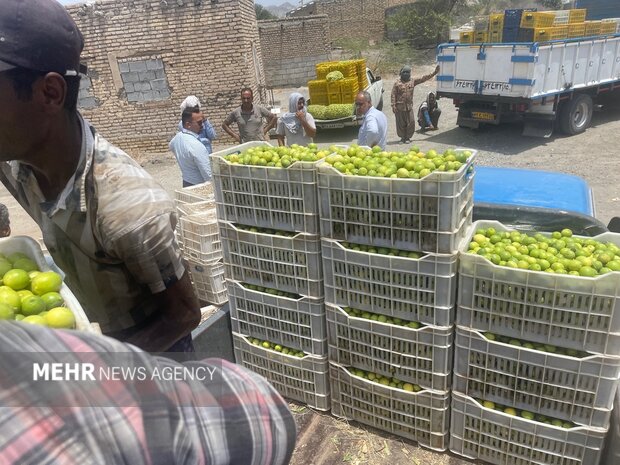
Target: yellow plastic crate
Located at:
point(562, 17)
point(480, 36)
point(333, 87)
point(466, 37)
point(362, 80)
point(323, 68)
point(496, 22)
point(334, 97)
point(495, 36)
point(348, 97)
point(349, 85)
point(481, 24)
point(550, 33)
point(593, 28)
point(576, 30)
point(608, 27)
point(536, 19)
point(347, 68)
point(577, 15)
point(318, 85)
point(319, 99)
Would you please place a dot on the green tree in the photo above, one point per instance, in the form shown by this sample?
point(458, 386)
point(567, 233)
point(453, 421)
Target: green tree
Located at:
point(263, 13)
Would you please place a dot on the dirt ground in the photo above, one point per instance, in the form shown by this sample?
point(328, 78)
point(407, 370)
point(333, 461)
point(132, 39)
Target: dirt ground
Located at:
point(592, 155)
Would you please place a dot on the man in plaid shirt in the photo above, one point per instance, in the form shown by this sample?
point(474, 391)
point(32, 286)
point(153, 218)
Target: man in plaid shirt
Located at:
point(232, 417)
point(107, 224)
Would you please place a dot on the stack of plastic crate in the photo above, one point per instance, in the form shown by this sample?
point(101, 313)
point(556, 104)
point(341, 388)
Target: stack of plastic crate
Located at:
point(389, 263)
point(198, 237)
point(536, 364)
point(269, 229)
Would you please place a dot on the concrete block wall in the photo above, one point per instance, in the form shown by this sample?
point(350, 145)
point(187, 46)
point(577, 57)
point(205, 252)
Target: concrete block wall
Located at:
point(351, 19)
point(208, 49)
point(291, 47)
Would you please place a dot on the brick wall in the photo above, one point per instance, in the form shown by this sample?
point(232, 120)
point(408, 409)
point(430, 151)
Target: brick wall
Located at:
point(291, 47)
point(145, 56)
point(351, 19)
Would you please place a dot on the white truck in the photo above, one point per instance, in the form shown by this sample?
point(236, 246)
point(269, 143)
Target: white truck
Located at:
point(546, 85)
point(375, 89)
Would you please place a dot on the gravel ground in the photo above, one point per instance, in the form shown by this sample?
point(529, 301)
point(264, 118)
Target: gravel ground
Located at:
point(591, 155)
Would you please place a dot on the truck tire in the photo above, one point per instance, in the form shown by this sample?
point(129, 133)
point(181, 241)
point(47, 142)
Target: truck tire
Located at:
point(380, 104)
point(576, 114)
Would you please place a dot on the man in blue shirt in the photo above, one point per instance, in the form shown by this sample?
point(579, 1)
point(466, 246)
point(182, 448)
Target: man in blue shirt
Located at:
point(374, 128)
point(208, 132)
point(191, 154)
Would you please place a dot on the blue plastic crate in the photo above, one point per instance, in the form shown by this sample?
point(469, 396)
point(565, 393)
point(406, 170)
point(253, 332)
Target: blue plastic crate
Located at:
point(512, 17)
point(510, 34)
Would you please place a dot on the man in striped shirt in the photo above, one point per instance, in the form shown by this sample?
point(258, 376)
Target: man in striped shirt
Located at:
point(153, 411)
point(108, 225)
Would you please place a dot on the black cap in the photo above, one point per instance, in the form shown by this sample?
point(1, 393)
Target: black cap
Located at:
point(39, 35)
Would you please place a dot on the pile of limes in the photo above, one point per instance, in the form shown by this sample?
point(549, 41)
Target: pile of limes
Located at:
point(360, 161)
point(277, 157)
point(525, 414)
point(560, 253)
point(381, 318)
point(384, 380)
point(381, 250)
point(30, 295)
point(278, 348)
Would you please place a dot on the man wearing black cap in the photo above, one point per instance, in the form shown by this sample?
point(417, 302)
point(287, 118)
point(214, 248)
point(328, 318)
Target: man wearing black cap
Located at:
point(108, 225)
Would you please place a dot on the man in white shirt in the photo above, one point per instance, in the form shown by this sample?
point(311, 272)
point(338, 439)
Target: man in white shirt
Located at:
point(373, 131)
point(190, 152)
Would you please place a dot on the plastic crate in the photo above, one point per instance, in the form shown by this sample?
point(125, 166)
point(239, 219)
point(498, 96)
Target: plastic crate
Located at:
point(209, 282)
point(295, 323)
point(525, 35)
point(496, 22)
point(32, 249)
point(615, 21)
point(335, 98)
point(576, 30)
point(562, 17)
point(268, 197)
point(577, 15)
point(420, 356)
point(512, 17)
point(495, 36)
point(608, 27)
point(531, 20)
point(510, 34)
point(322, 69)
point(422, 417)
point(580, 390)
point(347, 68)
point(194, 194)
point(481, 36)
point(572, 312)
point(466, 37)
point(200, 237)
point(334, 86)
point(302, 379)
point(411, 289)
point(495, 437)
point(426, 215)
point(593, 28)
point(291, 264)
point(550, 33)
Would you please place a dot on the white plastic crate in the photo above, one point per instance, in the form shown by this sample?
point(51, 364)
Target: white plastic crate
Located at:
point(495, 437)
point(295, 323)
point(572, 312)
point(200, 236)
point(428, 215)
point(290, 264)
point(412, 289)
point(32, 249)
point(209, 282)
point(422, 416)
point(263, 196)
point(302, 379)
point(419, 356)
point(580, 390)
point(194, 194)
point(562, 17)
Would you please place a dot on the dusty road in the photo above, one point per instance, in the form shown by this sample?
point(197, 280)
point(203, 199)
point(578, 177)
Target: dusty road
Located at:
point(593, 155)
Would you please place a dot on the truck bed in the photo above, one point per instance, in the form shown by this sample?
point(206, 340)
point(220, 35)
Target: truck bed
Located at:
point(528, 70)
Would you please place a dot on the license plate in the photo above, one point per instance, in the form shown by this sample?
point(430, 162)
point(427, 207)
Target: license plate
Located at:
point(332, 125)
point(483, 115)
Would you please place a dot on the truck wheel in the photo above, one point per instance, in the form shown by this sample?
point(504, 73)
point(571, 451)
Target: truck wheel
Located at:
point(380, 104)
point(576, 115)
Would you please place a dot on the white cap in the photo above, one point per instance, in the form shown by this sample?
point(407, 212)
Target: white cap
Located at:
point(191, 101)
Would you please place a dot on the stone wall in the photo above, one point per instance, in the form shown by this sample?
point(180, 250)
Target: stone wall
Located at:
point(145, 56)
point(291, 47)
point(351, 19)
